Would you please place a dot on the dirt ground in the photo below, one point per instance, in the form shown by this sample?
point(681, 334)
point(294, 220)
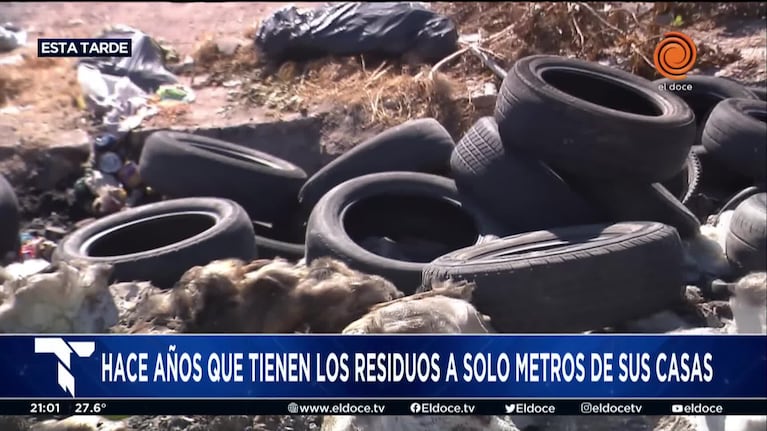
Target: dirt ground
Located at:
point(41, 107)
point(39, 98)
point(50, 103)
point(40, 103)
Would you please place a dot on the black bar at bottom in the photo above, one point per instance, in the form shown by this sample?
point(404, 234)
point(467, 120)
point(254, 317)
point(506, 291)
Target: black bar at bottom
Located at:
point(381, 407)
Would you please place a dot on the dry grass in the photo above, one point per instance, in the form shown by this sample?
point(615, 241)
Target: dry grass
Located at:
point(46, 93)
point(390, 93)
point(387, 97)
point(46, 83)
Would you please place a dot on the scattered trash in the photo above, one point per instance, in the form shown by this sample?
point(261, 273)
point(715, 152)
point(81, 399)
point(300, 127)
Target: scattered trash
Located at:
point(109, 163)
point(104, 143)
point(231, 84)
point(355, 28)
point(11, 37)
point(81, 423)
point(145, 67)
point(129, 175)
point(223, 297)
point(109, 200)
point(117, 90)
point(176, 92)
point(27, 268)
point(68, 300)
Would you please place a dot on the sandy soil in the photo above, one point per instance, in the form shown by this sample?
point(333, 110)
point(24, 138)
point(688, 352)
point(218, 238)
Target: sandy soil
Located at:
point(50, 103)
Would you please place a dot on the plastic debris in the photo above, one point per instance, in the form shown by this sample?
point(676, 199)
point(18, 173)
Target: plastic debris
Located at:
point(67, 300)
point(97, 180)
point(109, 200)
point(104, 143)
point(129, 175)
point(27, 268)
point(109, 163)
point(117, 89)
point(35, 247)
point(176, 92)
point(145, 67)
point(355, 28)
point(11, 37)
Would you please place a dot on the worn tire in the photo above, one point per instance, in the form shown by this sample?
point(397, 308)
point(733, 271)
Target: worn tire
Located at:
point(274, 242)
point(9, 219)
point(706, 93)
point(735, 134)
point(421, 145)
point(185, 165)
point(685, 184)
point(403, 206)
point(217, 229)
point(627, 202)
point(520, 191)
point(571, 279)
point(716, 177)
point(609, 125)
point(746, 243)
point(760, 92)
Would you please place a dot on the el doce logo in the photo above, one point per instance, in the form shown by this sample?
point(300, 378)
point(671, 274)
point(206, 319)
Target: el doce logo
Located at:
point(675, 55)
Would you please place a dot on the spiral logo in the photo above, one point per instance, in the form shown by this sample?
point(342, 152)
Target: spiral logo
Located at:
point(675, 55)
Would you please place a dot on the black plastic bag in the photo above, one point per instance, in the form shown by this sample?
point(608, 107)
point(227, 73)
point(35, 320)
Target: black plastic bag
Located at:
point(145, 67)
point(351, 28)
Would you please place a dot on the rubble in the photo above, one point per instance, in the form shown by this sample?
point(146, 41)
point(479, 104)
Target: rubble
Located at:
point(80, 423)
point(262, 296)
point(67, 300)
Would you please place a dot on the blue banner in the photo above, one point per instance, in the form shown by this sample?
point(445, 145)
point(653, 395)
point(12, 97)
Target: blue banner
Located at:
point(382, 366)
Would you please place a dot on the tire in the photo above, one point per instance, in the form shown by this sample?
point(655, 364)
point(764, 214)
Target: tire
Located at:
point(706, 93)
point(685, 184)
point(9, 219)
point(609, 125)
point(216, 229)
point(746, 243)
point(186, 165)
point(521, 192)
point(407, 206)
point(626, 202)
point(735, 134)
point(571, 279)
point(273, 243)
point(716, 178)
point(760, 92)
point(421, 145)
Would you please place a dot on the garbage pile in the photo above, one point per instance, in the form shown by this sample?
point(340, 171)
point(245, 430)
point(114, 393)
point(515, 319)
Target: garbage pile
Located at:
point(590, 199)
point(11, 37)
point(514, 203)
point(344, 29)
point(121, 92)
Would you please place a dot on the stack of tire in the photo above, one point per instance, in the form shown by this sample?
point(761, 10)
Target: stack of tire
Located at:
point(227, 200)
point(731, 146)
point(566, 208)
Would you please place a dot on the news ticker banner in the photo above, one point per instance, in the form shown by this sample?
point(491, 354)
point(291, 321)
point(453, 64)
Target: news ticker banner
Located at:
point(382, 366)
point(382, 407)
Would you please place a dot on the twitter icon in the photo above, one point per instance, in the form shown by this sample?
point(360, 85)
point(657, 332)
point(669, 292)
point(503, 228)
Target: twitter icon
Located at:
point(510, 408)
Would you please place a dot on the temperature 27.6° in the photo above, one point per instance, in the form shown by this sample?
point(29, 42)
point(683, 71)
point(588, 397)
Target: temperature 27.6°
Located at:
point(83, 408)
